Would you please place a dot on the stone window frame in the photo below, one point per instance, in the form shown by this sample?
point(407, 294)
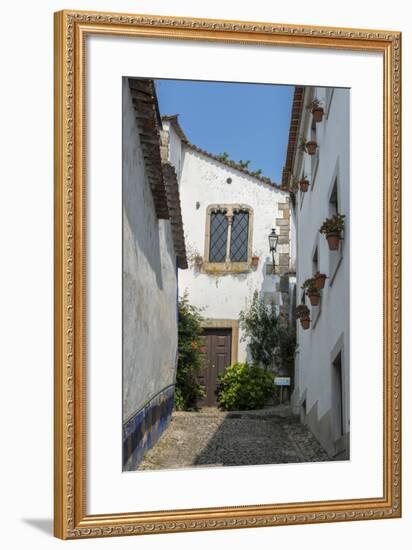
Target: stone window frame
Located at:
point(341, 443)
point(228, 266)
point(232, 324)
point(301, 193)
point(329, 92)
point(314, 172)
point(335, 256)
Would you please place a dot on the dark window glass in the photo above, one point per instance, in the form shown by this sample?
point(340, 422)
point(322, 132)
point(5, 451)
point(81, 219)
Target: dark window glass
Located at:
point(218, 237)
point(333, 201)
point(239, 240)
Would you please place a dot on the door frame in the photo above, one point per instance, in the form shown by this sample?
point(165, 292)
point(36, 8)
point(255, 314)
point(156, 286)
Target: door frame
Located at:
point(226, 323)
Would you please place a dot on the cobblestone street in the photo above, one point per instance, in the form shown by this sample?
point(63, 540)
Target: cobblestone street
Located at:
point(215, 438)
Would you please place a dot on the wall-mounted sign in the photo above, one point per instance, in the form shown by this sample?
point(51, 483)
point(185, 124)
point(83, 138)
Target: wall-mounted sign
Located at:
point(282, 381)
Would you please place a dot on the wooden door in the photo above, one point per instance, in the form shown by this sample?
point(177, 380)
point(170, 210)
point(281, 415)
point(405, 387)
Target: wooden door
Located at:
point(218, 358)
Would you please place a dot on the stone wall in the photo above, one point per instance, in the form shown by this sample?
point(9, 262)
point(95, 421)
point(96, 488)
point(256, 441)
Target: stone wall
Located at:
point(283, 261)
point(149, 302)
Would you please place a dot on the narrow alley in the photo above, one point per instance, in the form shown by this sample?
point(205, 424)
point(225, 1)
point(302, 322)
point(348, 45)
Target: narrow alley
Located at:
point(215, 438)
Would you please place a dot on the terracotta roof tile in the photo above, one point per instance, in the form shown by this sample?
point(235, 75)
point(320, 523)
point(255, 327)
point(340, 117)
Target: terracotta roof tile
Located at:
point(148, 123)
point(173, 201)
point(296, 113)
point(161, 176)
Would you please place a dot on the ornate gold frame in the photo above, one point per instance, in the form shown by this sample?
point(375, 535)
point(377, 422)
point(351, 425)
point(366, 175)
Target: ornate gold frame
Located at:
point(71, 520)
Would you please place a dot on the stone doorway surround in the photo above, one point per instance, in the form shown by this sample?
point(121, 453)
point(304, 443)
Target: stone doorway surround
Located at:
point(226, 323)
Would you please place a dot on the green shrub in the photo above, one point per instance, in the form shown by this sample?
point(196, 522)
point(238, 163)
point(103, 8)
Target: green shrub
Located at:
point(261, 326)
point(244, 387)
point(188, 391)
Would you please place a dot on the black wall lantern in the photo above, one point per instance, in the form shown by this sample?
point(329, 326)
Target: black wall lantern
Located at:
point(273, 242)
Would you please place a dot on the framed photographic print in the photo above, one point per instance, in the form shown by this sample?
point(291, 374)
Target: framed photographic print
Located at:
point(227, 274)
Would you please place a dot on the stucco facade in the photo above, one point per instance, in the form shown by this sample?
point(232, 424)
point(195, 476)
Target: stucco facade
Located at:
point(321, 393)
point(149, 288)
point(223, 289)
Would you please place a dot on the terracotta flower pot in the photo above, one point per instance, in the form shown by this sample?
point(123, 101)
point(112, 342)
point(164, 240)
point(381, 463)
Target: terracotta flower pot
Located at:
point(255, 261)
point(305, 322)
point(333, 240)
point(320, 281)
point(317, 113)
point(311, 147)
point(304, 185)
point(314, 298)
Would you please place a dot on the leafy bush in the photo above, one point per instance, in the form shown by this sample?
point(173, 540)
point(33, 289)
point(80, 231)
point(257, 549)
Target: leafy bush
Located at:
point(188, 391)
point(244, 387)
point(261, 324)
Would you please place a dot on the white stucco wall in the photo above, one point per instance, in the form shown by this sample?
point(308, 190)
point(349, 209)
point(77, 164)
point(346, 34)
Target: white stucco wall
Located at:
point(149, 280)
point(175, 147)
point(292, 244)
point(316, 346)
point(203, 182)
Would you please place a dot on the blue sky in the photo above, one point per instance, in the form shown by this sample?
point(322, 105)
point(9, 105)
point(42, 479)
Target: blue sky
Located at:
point(248, 121)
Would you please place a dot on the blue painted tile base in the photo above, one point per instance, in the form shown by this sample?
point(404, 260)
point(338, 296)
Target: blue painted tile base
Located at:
point(143, 430)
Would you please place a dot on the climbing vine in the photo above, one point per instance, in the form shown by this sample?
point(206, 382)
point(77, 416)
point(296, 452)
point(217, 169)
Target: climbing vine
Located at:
point(271, 342)
point(191, 351)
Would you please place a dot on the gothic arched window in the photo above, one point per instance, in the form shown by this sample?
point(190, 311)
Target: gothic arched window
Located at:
point(228, 234)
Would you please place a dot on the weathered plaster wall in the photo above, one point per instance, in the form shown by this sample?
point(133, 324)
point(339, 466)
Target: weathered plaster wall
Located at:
point(204, 182)
point(172, 147)
point(149, 283)
point(329, 329)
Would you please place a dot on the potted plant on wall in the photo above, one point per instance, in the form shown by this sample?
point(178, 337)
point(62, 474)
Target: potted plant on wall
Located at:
point(312, 292)
point(255, 260)
point(309, 146)
point(304, 184)
point(332, 228)
point(302, 313)
point(319, 279)
point(198, 260)
point(317, 110)
point(294, 185)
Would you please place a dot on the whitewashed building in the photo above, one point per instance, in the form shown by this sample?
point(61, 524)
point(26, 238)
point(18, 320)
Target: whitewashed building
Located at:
point(153, 250)
point(321, 394)
point(228, 214)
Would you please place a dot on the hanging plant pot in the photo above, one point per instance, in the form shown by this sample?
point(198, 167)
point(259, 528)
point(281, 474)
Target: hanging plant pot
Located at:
point(255, 261)
point(304, 185)
point(311, 147)
point(317, 113)
point(333, 240)
point(332, 228)
point(320, 279)
point(314, 298)
point(302, 313)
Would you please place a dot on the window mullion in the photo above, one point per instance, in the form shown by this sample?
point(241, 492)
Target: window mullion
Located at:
point(229, 235)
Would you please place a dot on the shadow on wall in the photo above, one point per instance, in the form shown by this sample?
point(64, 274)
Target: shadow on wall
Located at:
point(145, 233)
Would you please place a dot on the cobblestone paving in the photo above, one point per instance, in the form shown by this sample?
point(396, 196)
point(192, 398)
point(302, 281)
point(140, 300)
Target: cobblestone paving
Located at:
point(215, 438)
